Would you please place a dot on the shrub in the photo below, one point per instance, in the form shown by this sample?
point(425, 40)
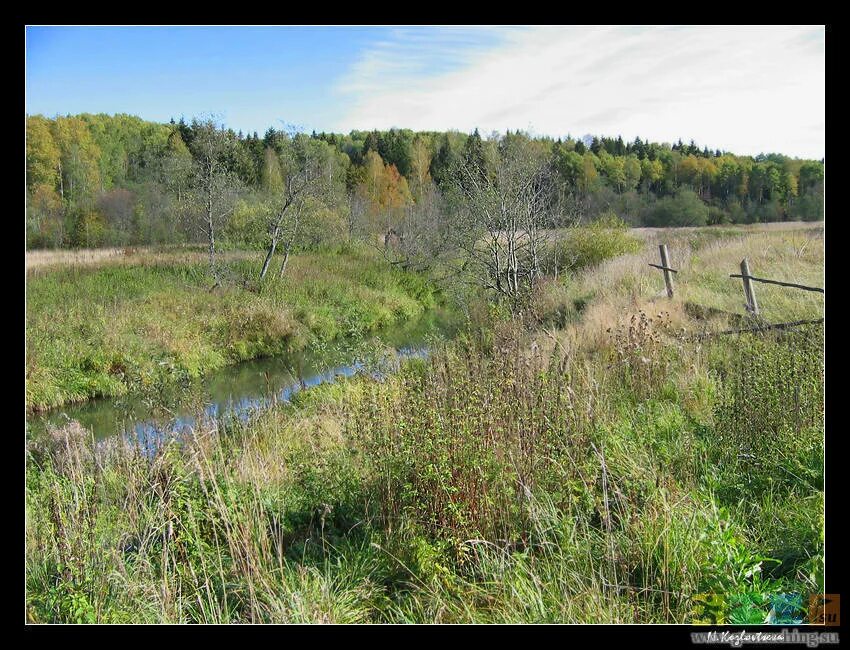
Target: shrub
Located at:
point(458, 448)
point(718, 216)
point(685, 208)
point(587, 246)
point(246, 228)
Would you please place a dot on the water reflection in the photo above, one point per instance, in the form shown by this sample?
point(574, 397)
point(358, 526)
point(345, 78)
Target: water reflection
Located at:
point(242, 390)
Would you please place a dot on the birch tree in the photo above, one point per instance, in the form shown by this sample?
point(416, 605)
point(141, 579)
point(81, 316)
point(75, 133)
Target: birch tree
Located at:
point(507, 208)
point(214, 187)
point(303, 179)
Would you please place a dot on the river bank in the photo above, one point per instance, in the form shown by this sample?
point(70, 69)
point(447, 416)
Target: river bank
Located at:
point(244, 389)
point(109, 330)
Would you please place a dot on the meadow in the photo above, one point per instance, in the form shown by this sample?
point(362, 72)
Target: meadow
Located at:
point(604, 456)
point(100, 326)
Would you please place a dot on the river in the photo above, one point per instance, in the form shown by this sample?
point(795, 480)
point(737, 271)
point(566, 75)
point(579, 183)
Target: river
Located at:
point(245, 388)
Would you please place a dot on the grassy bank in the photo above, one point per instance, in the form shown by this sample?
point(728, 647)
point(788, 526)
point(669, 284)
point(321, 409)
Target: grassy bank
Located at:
point(583, 308)
point(607, 468)
point(100, 329)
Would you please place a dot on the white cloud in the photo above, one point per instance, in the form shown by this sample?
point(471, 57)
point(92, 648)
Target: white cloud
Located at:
point(744, 89)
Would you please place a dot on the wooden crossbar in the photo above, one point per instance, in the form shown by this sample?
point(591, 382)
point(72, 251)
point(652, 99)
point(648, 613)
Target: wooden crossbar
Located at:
point(781, 284)
point(664, 268)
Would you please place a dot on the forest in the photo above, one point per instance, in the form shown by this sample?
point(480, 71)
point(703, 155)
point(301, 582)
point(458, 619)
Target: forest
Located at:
point(100, 180)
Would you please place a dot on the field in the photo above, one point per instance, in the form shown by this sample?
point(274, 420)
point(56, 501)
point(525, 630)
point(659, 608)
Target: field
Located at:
point(101, 326)
point(705, 258)
point(598, 459)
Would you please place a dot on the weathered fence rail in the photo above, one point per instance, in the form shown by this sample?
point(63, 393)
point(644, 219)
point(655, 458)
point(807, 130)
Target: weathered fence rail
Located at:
point(747, 279)
point(781, 284)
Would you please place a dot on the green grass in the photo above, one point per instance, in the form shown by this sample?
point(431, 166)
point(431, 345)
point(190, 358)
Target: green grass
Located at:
point(100, 330)
point(785, 256)
point(481, 485)
point(706, 257)
point(649, 477)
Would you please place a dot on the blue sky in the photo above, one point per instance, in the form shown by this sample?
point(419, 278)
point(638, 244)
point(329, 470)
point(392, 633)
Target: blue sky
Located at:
point(744, 89)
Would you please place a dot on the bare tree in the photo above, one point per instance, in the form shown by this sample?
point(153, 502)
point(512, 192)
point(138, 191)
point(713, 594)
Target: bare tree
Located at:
point(421, 235)
point(213, 186)
point(305, 176)
point(507, 207)
point(284, 220)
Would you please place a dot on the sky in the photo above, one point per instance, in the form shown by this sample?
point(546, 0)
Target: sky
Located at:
point(745, 89)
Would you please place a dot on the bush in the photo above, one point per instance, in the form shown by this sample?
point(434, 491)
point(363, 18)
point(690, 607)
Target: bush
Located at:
point(685, 208)
point(718, 216)
point(587, 246)
point(247, 227)
point(459, 446)
point(321, 226)
point(809, 207)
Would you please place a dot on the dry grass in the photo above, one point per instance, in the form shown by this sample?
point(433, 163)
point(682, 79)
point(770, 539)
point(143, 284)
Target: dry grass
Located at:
point(314, 428)
point(774, 226)
point(83, 257)
point(39, 260)
point(789, 256)
point(612, 292)
point(518, 485)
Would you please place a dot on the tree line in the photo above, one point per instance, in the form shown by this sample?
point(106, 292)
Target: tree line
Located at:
point(99, 180)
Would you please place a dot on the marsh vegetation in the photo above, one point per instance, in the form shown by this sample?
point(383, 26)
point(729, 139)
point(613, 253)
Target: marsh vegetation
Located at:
point(585, 454)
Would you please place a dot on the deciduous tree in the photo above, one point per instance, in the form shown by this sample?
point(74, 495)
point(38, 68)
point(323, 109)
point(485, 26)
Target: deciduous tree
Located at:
point(213, 187)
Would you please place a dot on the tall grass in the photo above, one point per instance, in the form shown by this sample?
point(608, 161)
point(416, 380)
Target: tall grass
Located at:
point(619, 469)
point(493, 482)
point(103, 330)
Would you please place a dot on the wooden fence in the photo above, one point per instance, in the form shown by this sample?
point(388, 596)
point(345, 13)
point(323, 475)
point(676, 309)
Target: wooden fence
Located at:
point(747, 279)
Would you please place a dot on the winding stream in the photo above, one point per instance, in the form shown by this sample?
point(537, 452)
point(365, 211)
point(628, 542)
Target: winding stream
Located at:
point(243, 389)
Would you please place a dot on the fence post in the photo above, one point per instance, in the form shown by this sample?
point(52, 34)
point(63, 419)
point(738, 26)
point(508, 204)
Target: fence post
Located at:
point(665, 262)
point(749, 289)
